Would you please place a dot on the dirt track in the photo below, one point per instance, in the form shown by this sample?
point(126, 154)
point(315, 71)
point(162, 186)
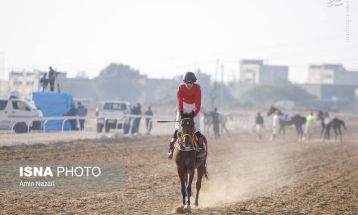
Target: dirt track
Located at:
point(245, 177)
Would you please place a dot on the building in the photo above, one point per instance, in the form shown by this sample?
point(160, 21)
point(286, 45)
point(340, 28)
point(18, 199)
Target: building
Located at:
point(331, 74)
point(335, 87)
point(256, 72)
point(333, 97)
point(24, 83)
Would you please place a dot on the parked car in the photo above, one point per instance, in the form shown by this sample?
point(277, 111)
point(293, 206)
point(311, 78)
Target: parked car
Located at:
point(113, 115)
point(17, 113)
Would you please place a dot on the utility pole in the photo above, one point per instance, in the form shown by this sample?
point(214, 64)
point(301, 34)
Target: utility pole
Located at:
point(222, 85)
point(213, 93)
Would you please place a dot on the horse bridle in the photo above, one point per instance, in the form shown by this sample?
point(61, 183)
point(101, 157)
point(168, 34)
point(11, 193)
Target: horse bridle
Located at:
point(182, 137)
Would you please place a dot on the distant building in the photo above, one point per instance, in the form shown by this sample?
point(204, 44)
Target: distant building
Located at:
point(331, 74)
point(332, 92)
point(4, 89)
point(333, 97)
point(26, 82)
point(256, 72)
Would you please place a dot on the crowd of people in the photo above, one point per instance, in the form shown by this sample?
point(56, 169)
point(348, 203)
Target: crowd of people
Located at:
point(137, 110)
point(311, 122)
point(80, 111)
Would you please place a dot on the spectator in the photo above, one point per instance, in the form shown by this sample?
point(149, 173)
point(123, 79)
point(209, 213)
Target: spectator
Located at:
point(216, 123)
point(310, 122)
point(73, 122)
point(148, 121)
point(44, 82)
point(275, 125)
point(259, 125)
point(82, 112)
point(136, 111)
point(52, 77)
point(327, 126)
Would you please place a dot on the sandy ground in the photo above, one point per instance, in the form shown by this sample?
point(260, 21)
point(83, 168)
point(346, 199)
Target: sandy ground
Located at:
point(246, 176)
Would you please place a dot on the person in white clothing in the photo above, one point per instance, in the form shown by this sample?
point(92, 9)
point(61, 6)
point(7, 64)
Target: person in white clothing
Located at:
point(275, 125)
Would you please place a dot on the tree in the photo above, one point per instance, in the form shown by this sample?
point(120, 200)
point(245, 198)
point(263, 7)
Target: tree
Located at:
point(268, 94)
point(119, 81)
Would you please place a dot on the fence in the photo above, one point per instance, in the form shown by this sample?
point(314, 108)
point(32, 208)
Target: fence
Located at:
point(64, 119)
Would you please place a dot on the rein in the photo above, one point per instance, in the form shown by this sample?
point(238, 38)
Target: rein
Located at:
point(179, 145)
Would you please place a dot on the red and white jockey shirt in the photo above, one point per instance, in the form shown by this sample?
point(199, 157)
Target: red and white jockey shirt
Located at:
point(192, 96)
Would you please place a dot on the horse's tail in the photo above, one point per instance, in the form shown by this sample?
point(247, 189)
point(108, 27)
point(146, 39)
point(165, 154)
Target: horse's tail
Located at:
point(205, 166)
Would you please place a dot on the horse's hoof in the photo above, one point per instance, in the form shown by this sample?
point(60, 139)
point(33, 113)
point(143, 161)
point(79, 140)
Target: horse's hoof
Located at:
point(187, 208)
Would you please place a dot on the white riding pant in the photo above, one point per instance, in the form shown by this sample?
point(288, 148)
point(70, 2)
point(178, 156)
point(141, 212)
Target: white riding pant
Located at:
point(258, 128)
point(188, 108)
point(275, 129)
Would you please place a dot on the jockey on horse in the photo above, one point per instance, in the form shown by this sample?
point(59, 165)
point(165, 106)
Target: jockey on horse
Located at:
point(189, 99)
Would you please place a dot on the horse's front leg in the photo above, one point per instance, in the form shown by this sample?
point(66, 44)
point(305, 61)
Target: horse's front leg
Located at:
point(201, 170)
point(188, 188)
point(298, 132)
point(183, 190)
point(181, 174)
point(301, 133)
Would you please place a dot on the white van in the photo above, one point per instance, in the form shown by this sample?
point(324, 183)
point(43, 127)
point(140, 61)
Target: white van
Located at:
point(19, 114)
point(114, 113)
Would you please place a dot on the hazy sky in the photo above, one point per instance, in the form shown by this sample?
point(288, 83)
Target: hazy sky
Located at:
point(164, 38)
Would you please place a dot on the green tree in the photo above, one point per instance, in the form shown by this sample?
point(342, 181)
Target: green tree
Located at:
point(119, 81)
point(268, 94)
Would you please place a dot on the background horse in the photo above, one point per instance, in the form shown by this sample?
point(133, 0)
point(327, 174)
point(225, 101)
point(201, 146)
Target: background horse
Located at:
point(335, 123)
point(208, 122)
point(285, 120)
point(186, 161)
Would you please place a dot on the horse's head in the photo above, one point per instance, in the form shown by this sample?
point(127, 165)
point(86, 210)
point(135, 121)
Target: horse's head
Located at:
point(187, 129)
point(271, 110)
point(274, 110)
point(320, 115)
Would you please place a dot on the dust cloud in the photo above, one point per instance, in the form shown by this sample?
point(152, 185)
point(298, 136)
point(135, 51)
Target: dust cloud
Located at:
point(243, 172)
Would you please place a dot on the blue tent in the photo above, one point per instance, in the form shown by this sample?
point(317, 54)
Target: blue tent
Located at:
point(54, 104)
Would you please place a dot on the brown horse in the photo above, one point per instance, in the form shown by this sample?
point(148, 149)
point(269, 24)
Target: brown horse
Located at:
point(186, 161)
point(296, 120)
point(335, 123)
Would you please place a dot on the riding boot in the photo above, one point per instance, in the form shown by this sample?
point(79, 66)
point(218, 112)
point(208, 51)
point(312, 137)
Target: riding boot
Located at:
point(171, 144)
point(201, 152)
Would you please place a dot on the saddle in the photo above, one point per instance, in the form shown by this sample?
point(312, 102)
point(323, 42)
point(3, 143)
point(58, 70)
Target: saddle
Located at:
point(286, 117)
point(196, 142)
